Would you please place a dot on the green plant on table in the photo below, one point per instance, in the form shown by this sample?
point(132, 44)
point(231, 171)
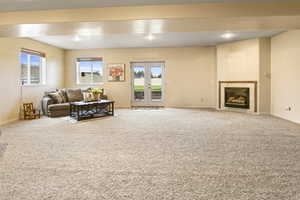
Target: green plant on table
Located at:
point(96, 91)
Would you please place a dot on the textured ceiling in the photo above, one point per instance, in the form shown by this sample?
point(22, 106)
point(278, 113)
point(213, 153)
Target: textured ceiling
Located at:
point(174, 39)
point(18, 5)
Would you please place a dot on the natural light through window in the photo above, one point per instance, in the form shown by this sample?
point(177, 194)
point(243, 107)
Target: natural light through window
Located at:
point(33, 66)
point(89, 71)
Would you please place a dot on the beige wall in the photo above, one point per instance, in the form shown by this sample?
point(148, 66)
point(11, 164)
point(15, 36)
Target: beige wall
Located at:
point(238, 61)
point(190, 74)
point(247, 60)
point(10, 75)
point(285, 77)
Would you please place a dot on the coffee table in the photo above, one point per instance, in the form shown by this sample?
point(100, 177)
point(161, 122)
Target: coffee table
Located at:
point(87, 110)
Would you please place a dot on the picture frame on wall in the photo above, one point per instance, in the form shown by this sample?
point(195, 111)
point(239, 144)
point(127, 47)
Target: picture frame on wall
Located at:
point(116, 72)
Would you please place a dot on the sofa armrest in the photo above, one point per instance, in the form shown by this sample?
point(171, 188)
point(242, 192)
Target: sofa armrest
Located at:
point(46, 101)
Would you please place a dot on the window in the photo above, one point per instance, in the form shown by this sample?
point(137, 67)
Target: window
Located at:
point(89, 71)
point(33, 70)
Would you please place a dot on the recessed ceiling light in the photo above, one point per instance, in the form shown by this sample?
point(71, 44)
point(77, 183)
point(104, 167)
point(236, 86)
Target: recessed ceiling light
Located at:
point(76, 39)
point(86, 32)
point(228, 35)
point(150, 37)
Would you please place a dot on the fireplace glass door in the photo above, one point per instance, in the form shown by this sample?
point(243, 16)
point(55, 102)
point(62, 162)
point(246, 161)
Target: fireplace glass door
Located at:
point(237, 97)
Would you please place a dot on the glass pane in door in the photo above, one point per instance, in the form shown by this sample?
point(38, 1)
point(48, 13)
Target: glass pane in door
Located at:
point(156, 83)
point(139, 83)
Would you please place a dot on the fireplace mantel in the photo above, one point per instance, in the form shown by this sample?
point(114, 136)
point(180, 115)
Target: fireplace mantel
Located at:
point(240, 82)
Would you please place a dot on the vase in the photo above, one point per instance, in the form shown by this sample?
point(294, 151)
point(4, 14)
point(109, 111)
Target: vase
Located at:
point(97, 97)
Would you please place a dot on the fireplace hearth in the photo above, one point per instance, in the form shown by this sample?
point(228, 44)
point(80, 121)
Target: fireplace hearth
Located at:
point(237, 97)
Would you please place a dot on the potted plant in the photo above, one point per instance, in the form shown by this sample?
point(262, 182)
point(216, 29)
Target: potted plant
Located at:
point(96, 93)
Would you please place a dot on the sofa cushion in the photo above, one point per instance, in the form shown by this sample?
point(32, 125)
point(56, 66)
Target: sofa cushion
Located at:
point(74, 95)
point(61, 106)
point(59, 113)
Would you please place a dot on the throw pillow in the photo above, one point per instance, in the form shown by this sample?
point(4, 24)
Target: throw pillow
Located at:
point(56, 96)
point(87, 96)
point(63, 94)
point(74, 95)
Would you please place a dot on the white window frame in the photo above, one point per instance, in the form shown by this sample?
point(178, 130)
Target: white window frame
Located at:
point(92, 70)
point(43, 74)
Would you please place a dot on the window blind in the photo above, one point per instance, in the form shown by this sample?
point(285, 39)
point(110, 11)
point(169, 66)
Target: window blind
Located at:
point(89, 59)
point(33, 52)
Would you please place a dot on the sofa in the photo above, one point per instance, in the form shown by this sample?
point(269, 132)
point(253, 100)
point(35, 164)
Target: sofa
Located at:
point(57, 103)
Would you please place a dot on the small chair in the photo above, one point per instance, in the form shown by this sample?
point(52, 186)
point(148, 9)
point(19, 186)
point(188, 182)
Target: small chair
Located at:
point(30, 112)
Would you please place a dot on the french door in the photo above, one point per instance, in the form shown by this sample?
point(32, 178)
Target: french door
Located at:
point(147, 83)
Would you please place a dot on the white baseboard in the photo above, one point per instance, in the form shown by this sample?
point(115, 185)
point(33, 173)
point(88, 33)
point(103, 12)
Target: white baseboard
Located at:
point(280, 117)
point(265, 113)
point(8, 121)
point(193, 107)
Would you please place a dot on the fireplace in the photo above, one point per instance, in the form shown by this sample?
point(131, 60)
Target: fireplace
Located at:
point(237, 97)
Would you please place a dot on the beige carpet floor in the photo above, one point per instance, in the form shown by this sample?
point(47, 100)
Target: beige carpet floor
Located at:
point(167, 154)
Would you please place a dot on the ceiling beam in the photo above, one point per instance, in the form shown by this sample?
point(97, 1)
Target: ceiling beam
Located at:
point(186, 11)
point(151, 26)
